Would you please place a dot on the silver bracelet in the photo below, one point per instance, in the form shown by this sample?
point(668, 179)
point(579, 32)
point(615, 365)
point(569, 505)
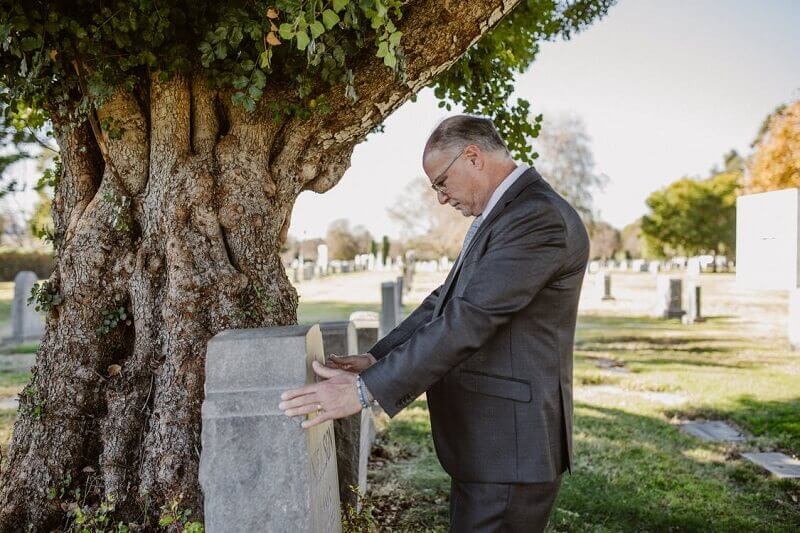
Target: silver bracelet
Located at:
point(362, 395)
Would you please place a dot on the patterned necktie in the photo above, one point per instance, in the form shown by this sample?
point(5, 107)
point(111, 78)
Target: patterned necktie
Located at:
point(470, 234)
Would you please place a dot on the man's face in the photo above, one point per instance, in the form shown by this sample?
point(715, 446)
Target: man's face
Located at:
point(454, 173)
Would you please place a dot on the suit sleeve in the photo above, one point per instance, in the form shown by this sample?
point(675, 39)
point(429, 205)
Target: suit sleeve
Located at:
point(407, 327)
point(519, 260)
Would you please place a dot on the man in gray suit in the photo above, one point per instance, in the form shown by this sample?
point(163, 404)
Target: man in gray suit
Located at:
point(491, 347)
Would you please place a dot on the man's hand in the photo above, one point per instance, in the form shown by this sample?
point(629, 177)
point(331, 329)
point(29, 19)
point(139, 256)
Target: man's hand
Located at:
point(351, 363)
point(336, 397)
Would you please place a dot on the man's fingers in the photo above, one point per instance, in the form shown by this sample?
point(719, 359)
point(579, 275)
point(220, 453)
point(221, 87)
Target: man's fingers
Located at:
point(303, 410)
point(319, 419)
point(299, 401)
point(294, 393)
point(324, 371)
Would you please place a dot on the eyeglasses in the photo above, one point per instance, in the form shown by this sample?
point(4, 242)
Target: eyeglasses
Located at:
point(438, 183)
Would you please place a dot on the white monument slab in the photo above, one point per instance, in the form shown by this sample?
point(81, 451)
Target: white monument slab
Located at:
point(712, 431)
point(768, 240)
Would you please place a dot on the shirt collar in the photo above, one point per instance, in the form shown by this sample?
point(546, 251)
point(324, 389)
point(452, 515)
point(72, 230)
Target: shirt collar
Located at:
point(504, 185)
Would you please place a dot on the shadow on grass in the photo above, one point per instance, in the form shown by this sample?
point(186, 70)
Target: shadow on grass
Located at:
point(637, 473)
point(632, 473)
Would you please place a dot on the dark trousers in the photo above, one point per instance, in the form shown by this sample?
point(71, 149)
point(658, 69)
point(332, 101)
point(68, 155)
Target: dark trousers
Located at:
point(501, 507)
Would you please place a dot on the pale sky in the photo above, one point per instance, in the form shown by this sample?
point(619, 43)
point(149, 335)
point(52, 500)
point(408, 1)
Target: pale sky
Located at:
point(664, 88)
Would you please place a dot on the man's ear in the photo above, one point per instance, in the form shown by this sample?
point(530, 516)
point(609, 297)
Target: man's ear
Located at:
point(475, 156)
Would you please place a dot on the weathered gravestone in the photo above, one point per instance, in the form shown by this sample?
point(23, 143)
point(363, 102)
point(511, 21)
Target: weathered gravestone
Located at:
point(259, 470)
point(390, 307)
point(695, 313)
point(352, 450)
point(603, 286)
point(669, 303)
point(367, 324)
point(26, 324)
point(768, 248)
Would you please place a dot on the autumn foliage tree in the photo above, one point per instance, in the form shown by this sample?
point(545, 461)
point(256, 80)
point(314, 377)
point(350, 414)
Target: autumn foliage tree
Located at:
point(775, 163)
point(186, 132)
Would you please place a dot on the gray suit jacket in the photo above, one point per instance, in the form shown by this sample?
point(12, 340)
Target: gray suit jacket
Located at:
point(493, 345)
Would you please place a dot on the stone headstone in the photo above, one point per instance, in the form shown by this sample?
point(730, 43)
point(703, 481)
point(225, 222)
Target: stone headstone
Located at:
point(712, 431)
point(603, 286)
point(693, 267)
point(322, 259)
point(367, 324)
point(399, 295)
point(695, 301)
point(259, 470)
point(26, 324)
point(669, 297)
point(351, 450)
point(779, 464)
point(390, 315)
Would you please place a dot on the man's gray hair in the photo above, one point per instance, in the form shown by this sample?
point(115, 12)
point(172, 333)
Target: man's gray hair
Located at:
point(455, 133)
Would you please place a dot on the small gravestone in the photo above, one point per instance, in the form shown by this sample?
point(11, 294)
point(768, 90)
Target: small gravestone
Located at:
point(779, 464)
point(603, 286)
point(367, 324)
point(259, 470)
point(399, 295)
point(390, 315)
point(695, 314)
point(351, 449)
point(612, 365)
point(712, 431)
point(669, 297)
point(26, 324)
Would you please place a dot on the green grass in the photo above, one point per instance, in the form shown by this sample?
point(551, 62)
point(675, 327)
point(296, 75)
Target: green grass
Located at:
point(633, 470)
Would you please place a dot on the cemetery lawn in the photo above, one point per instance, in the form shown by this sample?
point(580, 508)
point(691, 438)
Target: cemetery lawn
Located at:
point(633, 469)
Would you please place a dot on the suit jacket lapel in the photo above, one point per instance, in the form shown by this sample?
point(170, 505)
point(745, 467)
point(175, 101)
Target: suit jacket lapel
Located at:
point(527, 178)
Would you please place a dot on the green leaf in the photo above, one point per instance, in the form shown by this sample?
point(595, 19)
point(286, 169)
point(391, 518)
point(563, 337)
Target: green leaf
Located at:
point(317, 29)
point(383, 49)
point(302, 40)
point(238, 97)
point(338, 5)
point(394, 39)
point(221, 51)
point(390, 60)
point(286, 31)
point(241, 82)
point(259, 78)
point(330, 18)
point(31, 43)
point(264, 58)
point(254, 92)
point(249, 105)
point(248, 65)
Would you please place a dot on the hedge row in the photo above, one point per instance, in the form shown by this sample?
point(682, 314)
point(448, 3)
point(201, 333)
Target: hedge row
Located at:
point(13, 261)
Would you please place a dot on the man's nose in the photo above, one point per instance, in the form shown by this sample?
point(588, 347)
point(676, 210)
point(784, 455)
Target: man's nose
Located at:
point(442, 197)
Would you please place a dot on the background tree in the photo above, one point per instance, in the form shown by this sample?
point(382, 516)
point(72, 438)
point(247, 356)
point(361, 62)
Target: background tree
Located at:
point(775, 163)
point(187, 131)
point(431, 229)
point(632, 243)
point(567, 163)
point(691, 216)
point(344, 242)
point(604, 240)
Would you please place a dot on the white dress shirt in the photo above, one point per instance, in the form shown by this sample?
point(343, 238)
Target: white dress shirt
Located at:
point(504, 185)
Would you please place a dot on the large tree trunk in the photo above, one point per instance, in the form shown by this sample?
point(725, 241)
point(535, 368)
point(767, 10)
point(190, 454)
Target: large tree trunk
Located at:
point(211, 190)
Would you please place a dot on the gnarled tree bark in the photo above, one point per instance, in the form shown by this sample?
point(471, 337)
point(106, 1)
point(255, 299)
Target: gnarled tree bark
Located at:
point(211, 191)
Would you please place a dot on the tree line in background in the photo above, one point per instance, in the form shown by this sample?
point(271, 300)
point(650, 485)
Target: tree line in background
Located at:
point(693, 216)
point(690, 216)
